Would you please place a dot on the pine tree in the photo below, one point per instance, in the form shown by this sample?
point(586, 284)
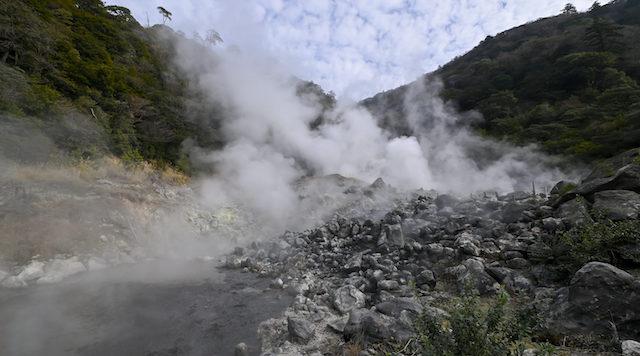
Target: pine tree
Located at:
point(569, 8)
point(604, 36)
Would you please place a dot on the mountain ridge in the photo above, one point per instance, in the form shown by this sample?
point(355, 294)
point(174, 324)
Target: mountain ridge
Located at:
point(546, 82)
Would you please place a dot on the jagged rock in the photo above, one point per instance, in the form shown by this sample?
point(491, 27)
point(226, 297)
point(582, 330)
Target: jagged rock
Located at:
point(411, 228)
point(445, 200)
point(552, 224)
point(574, 212)
point(300, 329)
point(395, 235)
point(562, 187)
point(517, 283)
point(625, 178)
point(466, 242)
point(426, 277)
point(617, 204)
point(473, 276)
point(364, 322)
point(507, 255)
point(539, 251)
point(378, 184)
point(498, 272)
point(512, 212)
point(277, 283)
point(435, 249)
point(598, 294)
point(354, 263)
point(347, 298)
point(32, 271)
point(377, 275)
point(338, 324)
point(517, 263)
point(395, 306)
point(630, 348)
point(388, 285)
point(58, 269)
point(241, 349)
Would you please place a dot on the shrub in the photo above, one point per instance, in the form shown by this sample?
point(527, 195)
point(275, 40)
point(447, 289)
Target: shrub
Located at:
point(600, 240)
point(475, 328)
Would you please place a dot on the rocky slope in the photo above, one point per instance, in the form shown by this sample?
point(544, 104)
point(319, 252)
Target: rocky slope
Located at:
point(364, 281)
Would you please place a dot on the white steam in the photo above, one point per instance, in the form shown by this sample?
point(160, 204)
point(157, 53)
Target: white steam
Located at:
point(270, 143)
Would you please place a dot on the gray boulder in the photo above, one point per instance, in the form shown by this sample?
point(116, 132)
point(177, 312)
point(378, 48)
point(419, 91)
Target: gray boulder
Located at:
point(630, 348)
point(369, 323)
point(625, 178)
point(473, 276)
point(395, 235)
point(513, 212)
point(574, 212)
point(426, 277)
point(395, 306)
point(617, 204)
point(347, 298)
point(468, 243)
point(599, 294)
point(445, 200)
point(300, 329)
point(388, 284)
point(354, 263)
point(241, 349)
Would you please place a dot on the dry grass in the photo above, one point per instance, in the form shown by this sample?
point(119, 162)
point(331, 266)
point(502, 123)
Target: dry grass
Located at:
point(89, 171)
point(352, 349)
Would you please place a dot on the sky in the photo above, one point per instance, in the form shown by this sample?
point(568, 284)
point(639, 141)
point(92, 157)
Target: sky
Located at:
point(354, 48)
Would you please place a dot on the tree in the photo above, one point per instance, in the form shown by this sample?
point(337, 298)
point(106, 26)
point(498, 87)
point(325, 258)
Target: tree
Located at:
point(120, 13)
point(213, 37)
point(595, 7)
point(166, 15)
point(604, 35)
point(569, 8)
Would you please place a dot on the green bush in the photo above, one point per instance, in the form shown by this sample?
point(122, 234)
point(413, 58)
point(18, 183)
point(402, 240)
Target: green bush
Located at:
point(474, 328)
point(600, 240)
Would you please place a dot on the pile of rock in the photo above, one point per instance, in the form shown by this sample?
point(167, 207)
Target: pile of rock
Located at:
point(370, 278)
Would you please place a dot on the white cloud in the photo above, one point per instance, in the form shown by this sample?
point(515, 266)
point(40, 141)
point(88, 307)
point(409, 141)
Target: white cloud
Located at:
point(355, 48)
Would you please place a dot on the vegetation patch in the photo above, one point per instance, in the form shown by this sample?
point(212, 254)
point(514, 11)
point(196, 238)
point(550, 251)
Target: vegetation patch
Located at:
point(602, 240)
point(475, 327)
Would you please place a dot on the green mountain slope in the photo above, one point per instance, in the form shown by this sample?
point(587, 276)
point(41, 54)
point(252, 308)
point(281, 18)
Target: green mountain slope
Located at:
point(94, 80)
point(568, 83)
point(92, 77)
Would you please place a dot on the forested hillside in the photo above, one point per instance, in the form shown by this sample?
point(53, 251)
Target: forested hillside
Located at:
point(568, 83)
point(98, 82)
point(92, 77)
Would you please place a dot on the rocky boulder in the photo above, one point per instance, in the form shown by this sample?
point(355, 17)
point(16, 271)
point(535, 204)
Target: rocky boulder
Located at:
point(599, 296)
point(300, 330)
point(630, 348)
point(395, 235)
point(369, 323)
point(574, 212)
point(347, 298)
point(617, 204)
point(625, 178)
point(472, 276)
